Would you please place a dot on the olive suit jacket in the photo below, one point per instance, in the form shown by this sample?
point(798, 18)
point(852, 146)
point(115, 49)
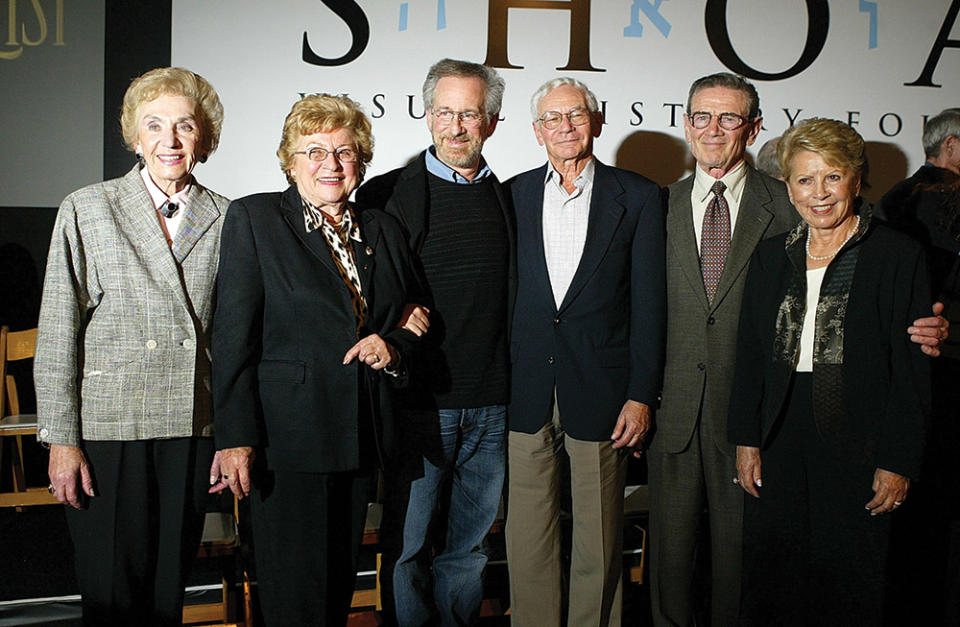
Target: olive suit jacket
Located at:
point(702, 336)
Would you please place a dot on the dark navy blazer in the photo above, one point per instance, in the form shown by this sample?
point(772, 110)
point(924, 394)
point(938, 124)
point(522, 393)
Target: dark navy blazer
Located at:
point(604, 344)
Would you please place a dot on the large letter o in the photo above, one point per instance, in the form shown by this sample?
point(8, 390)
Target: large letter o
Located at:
point(818, 23)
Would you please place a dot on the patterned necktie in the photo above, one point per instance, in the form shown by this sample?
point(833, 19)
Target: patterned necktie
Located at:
point(714, 240)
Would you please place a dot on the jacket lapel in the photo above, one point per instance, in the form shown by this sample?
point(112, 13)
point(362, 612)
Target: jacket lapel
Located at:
point(366, 261)
point(529, 212)
point(683, 239)
point(201, 214)
point(606, 211)
point(412, 201)
point(753, 218)
point(135, 211)
point(292, 210)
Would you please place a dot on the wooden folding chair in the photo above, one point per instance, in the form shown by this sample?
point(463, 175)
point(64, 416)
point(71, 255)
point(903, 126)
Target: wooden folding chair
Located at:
point(16, 346)
point(221, 540)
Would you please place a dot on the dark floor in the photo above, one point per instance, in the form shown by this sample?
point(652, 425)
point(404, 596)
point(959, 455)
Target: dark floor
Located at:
point(36, 562)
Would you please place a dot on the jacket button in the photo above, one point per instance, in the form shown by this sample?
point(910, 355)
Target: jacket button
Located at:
point(711, 320)
point(151, 344)
point(551, 360)
point(556, 320)
point(189, 343)
point(701, 366)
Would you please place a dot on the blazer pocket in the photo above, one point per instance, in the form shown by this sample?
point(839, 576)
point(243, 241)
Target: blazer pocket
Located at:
point(282, 371)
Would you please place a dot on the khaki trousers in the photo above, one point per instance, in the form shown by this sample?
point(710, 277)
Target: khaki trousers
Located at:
point(597, 476)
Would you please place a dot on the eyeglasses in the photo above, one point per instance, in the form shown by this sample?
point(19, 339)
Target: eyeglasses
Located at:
point(727, 121)
point(552, 119)
point(470, 119)
point(343, 155)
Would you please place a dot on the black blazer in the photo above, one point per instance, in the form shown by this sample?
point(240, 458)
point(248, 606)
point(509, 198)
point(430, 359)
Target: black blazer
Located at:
point(604, 344)
point(886, 377)
point(404, 193)
point(926, 206)
point(283, 322)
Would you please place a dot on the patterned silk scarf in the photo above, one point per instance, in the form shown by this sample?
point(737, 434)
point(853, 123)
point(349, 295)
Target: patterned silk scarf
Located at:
point(340, 239)
point(828, 402)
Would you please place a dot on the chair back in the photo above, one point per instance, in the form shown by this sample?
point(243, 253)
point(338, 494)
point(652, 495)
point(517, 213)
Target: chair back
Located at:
point(14, 346)
point(3, 370)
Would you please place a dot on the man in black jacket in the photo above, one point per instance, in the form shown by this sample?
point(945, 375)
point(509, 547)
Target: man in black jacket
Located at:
point(451, 457)
point(925, 545)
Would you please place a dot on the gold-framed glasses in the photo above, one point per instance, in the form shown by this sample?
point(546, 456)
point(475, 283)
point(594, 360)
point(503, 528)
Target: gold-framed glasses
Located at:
point(345, 154)
point(552, 119)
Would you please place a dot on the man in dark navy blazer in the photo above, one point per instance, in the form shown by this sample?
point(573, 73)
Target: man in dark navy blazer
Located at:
point(586, 354)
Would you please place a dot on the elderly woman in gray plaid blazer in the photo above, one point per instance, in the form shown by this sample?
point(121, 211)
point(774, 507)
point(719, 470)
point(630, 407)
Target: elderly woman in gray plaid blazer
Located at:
point(122, 367)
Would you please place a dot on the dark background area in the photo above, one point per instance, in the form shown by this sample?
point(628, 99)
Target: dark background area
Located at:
point(137, 39)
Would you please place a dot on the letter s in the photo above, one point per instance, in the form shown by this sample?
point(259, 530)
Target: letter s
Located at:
point(351, 13)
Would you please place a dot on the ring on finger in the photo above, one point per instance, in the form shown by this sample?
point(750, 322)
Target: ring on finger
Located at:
point(51, 489)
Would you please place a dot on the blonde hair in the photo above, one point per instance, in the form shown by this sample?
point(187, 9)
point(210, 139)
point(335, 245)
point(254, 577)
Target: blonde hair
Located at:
point(173, 81)
point(323, 113)
point(836, 143)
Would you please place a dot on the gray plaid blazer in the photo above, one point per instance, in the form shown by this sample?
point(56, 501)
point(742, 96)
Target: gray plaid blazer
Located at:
point(123, 333)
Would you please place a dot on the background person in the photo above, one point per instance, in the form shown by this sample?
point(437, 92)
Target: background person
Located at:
point(925, 547)
point(767, 159)
point(121, 369)
point(830, 397)
point(309, 293)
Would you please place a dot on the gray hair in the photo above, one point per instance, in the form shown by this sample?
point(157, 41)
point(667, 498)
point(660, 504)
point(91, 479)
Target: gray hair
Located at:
point(767, 159)
point(552, 84)
point(730, 81)
point(464, 69)
point(938, 128)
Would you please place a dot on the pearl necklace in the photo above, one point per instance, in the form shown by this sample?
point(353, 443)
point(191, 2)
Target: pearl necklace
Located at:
point(833, 254)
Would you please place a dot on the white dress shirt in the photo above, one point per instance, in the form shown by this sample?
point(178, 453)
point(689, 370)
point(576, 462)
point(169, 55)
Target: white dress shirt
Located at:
point(565, 218)
point(701, 195)
point(160, 199)
point(809, 330)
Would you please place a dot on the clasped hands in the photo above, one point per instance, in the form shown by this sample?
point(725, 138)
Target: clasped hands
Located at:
point(374, 351)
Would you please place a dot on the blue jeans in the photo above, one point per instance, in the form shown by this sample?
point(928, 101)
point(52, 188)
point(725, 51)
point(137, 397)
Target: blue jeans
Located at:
point(474, 447)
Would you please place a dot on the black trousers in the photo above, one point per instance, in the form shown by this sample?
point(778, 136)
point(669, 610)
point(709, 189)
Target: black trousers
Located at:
point(137, 538)
point(812, 554)
point(307, 529)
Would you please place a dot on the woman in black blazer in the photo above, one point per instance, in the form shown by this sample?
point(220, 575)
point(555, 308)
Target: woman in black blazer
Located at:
point(830, 396)
point(305, 343)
